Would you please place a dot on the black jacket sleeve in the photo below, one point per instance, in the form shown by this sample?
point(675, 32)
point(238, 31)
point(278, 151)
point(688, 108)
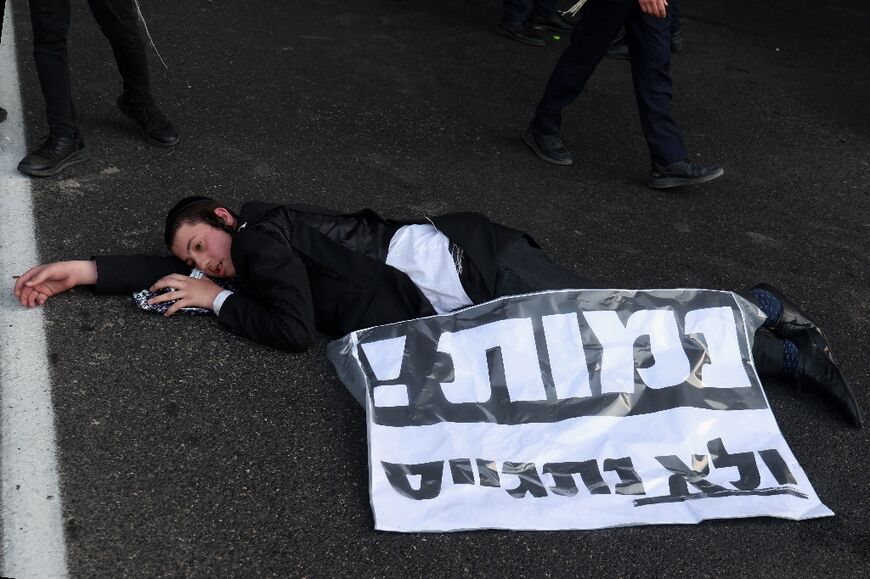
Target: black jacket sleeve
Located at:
point(125, 274)
point(273, 305)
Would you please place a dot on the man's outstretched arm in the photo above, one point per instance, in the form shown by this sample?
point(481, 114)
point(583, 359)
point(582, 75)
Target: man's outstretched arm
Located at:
point(115, 275)
point(39, 283)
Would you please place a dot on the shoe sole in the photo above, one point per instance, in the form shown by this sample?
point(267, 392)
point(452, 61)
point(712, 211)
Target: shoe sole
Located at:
point(527, 138)
point(515, 38)
point(145, 136)
point(152, 141)
point(671, 182)
point(80, 156)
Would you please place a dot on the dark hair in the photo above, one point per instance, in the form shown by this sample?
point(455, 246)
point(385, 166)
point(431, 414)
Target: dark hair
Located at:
point(193, 210)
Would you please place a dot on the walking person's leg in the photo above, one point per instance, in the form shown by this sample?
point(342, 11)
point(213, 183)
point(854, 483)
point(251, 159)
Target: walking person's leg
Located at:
point(648, 39)
point(601, 21)
point(119, 21)
point(64, 146)
point(51, 20)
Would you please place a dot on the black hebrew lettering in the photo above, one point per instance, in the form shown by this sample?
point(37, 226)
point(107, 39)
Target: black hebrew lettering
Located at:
point(461, 471)
point(744, 461)
point(693, 476)
point(630, 483)
point(488, 473)
point(430, 474)
point(747, 468)
point(563, 472)
point(777, 466)
point(530, 482)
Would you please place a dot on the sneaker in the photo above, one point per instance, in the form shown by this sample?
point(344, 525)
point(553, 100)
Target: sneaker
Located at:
point(547, 147)
point(520, 34)
point(54, 155)
point(554, 22)
point(682, 173)
point(152, 123)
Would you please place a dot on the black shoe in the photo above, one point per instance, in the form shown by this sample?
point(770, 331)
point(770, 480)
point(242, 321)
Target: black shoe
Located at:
point(816, 368)
point(152, 123)
point(619, 49)
point(554, 22)
point(681, 173)
point(792, 321)
point(2, 114)
point(677, 42)
point(54, 155)
point(547, 147)
point(520, 34)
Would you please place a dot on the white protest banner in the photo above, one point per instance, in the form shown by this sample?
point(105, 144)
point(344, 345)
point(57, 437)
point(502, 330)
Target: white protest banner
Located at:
point(573, 409)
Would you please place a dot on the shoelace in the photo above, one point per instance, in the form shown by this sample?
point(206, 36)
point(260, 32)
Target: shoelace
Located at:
point(573, 10)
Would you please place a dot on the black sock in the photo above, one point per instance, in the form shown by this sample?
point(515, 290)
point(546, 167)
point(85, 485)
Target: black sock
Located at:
point(769, 304)
point(789, 357)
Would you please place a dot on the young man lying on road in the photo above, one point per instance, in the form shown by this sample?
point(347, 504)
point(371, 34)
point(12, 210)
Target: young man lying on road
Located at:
point(299, 268)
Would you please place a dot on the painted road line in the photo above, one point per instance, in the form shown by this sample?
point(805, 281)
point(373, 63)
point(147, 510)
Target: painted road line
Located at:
point(33, 544)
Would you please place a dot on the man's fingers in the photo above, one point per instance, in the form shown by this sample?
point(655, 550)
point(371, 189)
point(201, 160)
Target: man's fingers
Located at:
point(38, 277)
point(175, 307)
point(167, 297)
point(172, 280)
point(22, 296)
point(30, 298)
point(21, 282)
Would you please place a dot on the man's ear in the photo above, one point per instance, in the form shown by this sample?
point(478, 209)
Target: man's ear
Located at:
point(224, 215)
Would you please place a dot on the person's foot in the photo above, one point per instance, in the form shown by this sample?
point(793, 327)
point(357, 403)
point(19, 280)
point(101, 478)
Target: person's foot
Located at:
point(816, 369)
point(152, 123)
point(54, 155)
point(547, 147)
point(618, 49)
point(521, 34)
point(555, 22)
point(2, 114)
point(682, 173)
point(790, 319)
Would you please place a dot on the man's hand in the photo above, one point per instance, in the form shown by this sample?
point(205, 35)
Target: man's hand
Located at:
point(39, 283)
point(189, 292)
point(654, 7)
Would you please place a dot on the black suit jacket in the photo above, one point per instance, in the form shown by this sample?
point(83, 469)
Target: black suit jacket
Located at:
point(300, 267)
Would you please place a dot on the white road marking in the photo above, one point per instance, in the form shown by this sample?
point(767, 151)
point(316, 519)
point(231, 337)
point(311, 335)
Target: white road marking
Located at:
point(33, 544)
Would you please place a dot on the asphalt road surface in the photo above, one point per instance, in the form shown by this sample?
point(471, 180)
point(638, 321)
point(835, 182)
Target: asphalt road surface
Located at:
point(185, 450)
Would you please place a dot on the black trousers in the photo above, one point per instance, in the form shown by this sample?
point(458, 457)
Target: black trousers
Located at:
point(119, 24)
point(525, 269)
point(516, 12)
point(648, 39)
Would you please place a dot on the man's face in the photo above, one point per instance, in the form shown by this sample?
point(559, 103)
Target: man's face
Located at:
point(205, 247)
